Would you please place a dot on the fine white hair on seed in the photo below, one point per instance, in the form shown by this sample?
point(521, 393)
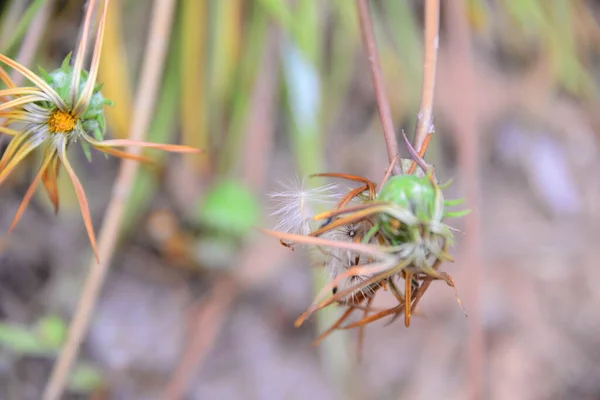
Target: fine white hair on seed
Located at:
point(340, 260)
point(296, 205)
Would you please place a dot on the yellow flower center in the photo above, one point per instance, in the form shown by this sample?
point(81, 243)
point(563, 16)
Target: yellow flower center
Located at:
point(61, 121)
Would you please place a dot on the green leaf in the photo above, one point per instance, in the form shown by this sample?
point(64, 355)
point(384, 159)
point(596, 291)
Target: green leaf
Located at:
point(98, 87)
point(66, 64)
point(455, 202)
point(85, 378)
point(230, 208)
point(457, 214)
point(19, 340)
point(51, 331)
point(98, 134)
point(446, 184)
point(86, 150)
point(102, 122)
point(45, 75)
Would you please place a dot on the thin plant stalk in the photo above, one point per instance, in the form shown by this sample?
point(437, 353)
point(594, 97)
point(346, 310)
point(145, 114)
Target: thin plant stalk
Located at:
point(425, 117)
point(193, 31)
point(206, 323)
point(425, 128)
point(366, 27)
point(256, 264)
point(117, 85)
point(260, 129)
point(224, 39)
point(162, 130)
point(254, 37)
point(160, 27)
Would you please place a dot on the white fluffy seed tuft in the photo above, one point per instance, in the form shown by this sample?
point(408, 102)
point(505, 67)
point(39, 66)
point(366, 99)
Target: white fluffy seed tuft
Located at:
point(295, 205)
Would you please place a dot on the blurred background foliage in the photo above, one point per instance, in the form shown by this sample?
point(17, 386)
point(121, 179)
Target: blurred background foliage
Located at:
point(274, 89)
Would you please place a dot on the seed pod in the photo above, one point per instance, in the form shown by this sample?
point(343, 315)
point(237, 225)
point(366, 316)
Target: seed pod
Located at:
point(413, 193)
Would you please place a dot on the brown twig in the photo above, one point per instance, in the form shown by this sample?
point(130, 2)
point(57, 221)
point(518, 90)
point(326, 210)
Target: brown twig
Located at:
point(366, 28)
point(205, 327)
point(252, 271)
point(425, 118)
point(144, 106)
point(464, 112)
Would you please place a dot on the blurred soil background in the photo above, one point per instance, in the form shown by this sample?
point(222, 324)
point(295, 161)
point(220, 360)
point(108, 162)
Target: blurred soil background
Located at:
point(198, 305)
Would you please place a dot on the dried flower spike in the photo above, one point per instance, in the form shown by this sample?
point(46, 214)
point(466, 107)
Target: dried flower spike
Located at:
point(62, 107)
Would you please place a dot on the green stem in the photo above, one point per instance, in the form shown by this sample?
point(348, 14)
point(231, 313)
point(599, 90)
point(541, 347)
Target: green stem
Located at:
point(252, 50)
point(22, 27)
point(371, 233)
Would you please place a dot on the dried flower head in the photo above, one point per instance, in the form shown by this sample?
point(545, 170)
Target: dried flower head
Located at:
point(395, 233)
point(60, 108)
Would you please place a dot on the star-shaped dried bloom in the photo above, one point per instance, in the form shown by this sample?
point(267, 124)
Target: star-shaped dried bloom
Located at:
point(59, 109)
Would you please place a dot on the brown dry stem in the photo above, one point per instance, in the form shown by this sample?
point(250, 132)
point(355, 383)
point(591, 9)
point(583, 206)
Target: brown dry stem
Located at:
point(389, 133)
point(425, 117)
